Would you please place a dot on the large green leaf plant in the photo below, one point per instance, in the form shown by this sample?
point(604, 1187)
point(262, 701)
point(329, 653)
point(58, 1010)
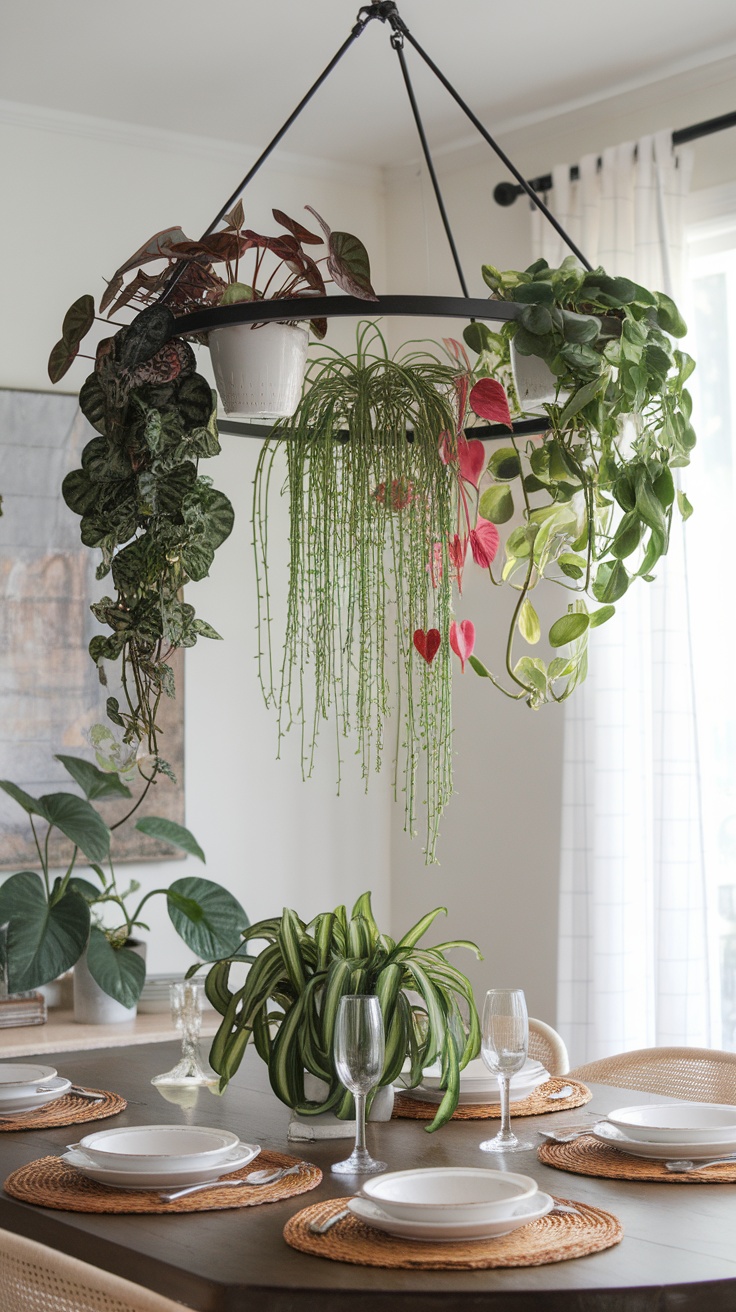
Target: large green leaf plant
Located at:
point(289, 1001)
point(588, 505)
point(53, 921)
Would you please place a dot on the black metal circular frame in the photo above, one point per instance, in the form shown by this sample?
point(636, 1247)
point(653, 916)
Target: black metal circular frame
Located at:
point(294, 309)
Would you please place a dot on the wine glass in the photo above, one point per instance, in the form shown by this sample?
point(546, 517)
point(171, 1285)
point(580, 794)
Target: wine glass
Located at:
point(504, 1045)
point(359, 1055)
point(186, 1013)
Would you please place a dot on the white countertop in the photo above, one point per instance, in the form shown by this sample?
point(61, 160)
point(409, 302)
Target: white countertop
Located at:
point(61, 1033)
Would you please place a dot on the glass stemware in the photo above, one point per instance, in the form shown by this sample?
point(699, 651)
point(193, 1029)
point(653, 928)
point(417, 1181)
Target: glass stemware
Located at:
point(359, 1055)
point(504, 1046)
point(186, 1013)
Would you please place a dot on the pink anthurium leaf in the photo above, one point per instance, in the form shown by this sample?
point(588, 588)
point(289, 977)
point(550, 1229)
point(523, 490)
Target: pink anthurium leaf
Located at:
point(484, 540)
point(462, 640)
point(427, 644)
point(457, 350)
point(489, 401)
point(472, 458)
point(457, 549)
point(462, 383)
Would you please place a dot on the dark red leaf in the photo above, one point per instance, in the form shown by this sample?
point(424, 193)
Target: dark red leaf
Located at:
point(301, 233)
point(61, 358)
point(427, 644)
point(472, 459)
point(484, 540)
point(489, 401)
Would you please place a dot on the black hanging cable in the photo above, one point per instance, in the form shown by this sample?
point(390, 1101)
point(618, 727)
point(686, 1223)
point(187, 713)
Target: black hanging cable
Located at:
point(358, 28)
point(491, 142)
point(397, 41)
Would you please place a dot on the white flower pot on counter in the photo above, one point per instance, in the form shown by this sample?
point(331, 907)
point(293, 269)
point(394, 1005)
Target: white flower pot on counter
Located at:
point(259, 370)
point(92, 1006)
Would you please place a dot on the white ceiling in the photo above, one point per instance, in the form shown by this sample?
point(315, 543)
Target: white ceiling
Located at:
point(234, 69)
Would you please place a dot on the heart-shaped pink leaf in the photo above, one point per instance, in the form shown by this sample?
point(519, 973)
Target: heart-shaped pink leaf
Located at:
point(489, 401)
point(427, 644)
point(472, 458)
point(484, 540)
point(462, 640)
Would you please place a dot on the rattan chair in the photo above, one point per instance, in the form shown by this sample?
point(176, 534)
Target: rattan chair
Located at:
point(34, 1278)
point(697, 1074)
point(545, 1045)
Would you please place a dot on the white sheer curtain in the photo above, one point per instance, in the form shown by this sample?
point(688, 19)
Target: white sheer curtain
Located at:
point(633, 959)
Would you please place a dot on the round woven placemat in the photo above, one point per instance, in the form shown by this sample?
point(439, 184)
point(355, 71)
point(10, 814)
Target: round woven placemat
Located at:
point(49, 1182)
point(68, 1110)
point(586, 1156)
point(554, 1238)
point(535, 1105)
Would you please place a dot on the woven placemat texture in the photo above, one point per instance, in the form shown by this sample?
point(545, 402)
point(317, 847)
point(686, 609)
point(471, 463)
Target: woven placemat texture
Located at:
point(586, 1156)
point(69, 1110)
point(536, 1104)
point(49, 1182)
point(554, 1238)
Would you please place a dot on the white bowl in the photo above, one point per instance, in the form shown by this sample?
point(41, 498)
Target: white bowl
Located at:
point(476, 1077)
point(454, 1231)
point(20, 1079)
point(238, 1157)
point(157, 1147)
point(657, 1151)
point(674, 1122)
point(449, 1193)
point(32, 1102)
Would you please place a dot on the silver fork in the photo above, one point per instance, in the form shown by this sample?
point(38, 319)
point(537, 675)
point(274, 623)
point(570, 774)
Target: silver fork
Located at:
point(321, 1227)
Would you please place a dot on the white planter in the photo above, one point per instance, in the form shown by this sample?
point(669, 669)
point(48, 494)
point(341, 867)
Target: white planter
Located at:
point(536, 385)
point(381, 1107)
point(92, 1006)
point(259, 370)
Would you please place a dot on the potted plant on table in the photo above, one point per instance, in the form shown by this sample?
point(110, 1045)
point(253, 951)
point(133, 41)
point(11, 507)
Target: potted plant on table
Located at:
point(288, 1004)
point(54, 922)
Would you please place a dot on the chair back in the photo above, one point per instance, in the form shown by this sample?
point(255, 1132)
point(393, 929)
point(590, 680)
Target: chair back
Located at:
point(695, 1074)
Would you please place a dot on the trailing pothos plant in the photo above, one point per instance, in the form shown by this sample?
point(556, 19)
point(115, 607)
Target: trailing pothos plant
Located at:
point(589, 504)
point(289, 1001)
point(142, 500)
point(53, 921)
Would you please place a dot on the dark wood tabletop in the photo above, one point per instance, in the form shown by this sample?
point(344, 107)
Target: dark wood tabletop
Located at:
point(678, 1253)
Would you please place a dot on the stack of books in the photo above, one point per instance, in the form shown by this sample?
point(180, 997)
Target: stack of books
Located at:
point(22, 1009)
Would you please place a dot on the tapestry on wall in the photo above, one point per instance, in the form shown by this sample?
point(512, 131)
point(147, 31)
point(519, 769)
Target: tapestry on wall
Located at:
point(50, 693)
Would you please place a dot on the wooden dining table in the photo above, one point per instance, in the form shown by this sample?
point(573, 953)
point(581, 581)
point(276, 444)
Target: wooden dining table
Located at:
point(678, 1253)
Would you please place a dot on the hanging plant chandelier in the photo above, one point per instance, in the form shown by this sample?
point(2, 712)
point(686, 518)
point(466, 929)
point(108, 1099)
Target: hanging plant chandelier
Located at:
point(391, 490)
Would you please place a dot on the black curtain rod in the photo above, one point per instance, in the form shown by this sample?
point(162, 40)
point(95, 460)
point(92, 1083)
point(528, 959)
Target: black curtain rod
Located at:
point(506, 192)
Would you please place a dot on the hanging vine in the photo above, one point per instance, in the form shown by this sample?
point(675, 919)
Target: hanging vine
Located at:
point(370, 579)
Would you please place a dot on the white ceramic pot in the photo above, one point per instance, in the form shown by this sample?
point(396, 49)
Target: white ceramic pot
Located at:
point(259, 370)
point(92, 1006)
point(536, 385)
point(381, 1107)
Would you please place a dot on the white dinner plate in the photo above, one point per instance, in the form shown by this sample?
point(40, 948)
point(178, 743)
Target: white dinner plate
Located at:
point(429, 1232)
point(241, 1155)
point(671, 1122)
point(478, 1086)
point(19, 1078)
point(157, 1147)
point(28, 1102)
point(615, 1138)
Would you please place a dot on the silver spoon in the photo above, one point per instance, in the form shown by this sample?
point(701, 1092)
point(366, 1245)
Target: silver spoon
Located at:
point(560, 1093)
point(255, 1178)
point(685, 1165)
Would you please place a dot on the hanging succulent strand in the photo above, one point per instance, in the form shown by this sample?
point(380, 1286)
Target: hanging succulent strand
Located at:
point(369, 597)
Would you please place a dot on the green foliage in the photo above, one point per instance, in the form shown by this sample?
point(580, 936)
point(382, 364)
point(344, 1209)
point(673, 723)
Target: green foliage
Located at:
point(142, 501)
point(51, 925)
point(428, 1009)
point(596, 495)
point(368, 511)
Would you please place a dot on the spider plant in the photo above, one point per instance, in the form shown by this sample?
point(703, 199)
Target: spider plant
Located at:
point(427, 1004)
point(369, 598)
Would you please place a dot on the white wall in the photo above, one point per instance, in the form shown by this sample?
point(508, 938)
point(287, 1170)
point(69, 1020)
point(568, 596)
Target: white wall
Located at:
point(78, 197)
point(499, 848)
